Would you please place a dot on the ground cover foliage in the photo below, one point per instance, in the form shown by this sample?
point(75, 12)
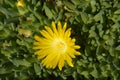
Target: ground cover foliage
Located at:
point(95, 25)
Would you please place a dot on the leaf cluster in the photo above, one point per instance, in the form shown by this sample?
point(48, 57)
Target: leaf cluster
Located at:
point(95, 25)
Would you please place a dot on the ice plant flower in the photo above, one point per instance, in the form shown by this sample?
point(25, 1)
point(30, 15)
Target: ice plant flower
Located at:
point(20, 3)
point(55, 47)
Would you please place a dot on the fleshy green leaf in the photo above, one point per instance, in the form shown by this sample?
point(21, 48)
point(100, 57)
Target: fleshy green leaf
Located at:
point(18, 62)
point(37, 69)
point(48, 12)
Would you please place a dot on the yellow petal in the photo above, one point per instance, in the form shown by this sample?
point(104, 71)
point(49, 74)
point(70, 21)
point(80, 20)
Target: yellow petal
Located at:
point(37, 38)
point(61, 62)
point(41, 54)
point(40, 47)
point(67, 33)
point(64, 27)
point(73, 40)
point(47, 60)
point(77, 53)
point(69, 60)
point(36, 43)
point(49, 30)
point(38, 52)
point(42, 40)
point(71, 55)
point(46, 34)
point(59, 26)
point(72, 51)
point(76, 47)
point(54, 28)
point(55, 62)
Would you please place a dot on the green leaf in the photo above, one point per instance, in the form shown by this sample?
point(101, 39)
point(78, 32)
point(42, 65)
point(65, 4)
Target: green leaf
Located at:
point(69, 5)
point(60, 15)
point(87, 51)
point(94, 73)
point(4, 71)
point(117, 11)
point(18, 62)
point(115, 27)
point(74, 74)
point(6, 53)
point(85, 74)
point(76, 2)
point(7, 12)
point(22, 11)
point(78, 18)
point(92, 33)
point(104, 73)
point(99, 50)
point(1, 27)
point(100, 27)
point(11, 20)
point(85, 28)
point(99, 17)
point(59, 3)
point(84, 17)
point(106, 37)
point(93, 5)
point(1, 2)
point(4, 11)
point(48, 11)
point(117, 48)
point(55, 73)
point(37, 69)
point(112, 51)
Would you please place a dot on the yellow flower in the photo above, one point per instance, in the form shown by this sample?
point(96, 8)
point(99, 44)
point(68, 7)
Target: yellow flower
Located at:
point(20, 3)
point(56, 46)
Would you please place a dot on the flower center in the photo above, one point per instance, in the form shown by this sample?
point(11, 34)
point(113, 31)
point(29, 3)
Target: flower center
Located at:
point(59, 46)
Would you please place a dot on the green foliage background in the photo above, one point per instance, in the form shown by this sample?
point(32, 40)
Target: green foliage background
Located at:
point(95, 25)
